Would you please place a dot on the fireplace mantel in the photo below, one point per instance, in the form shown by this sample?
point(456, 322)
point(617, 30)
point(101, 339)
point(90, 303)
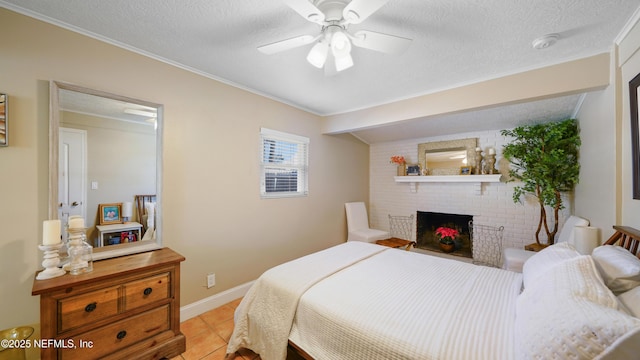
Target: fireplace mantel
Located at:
point(477, 179)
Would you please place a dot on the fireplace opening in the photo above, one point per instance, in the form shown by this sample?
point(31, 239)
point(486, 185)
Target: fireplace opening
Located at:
point(428, 222)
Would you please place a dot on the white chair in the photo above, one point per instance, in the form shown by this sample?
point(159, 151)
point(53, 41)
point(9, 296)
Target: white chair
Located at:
point(358, 224)
point(514, 258)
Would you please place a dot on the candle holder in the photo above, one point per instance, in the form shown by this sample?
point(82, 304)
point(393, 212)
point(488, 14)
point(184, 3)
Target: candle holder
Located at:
point(50, 262)
point(491, 162)
point(80, 252)
point(478, 169)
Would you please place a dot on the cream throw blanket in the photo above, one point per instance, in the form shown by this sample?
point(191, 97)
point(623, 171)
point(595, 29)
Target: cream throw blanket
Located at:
point(264, 318)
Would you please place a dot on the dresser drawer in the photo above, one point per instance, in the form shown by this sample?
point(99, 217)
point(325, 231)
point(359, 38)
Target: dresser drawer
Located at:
point(117, 336)
point(145, 291)
point(86, 308)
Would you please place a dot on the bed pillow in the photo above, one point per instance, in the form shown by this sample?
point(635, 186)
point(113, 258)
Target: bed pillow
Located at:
point(619, 268)
point(543, 261)
point(572, 315)
point(631, 301)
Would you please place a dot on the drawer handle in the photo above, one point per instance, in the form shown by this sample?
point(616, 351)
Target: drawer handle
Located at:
point(121, 335)
point(148, 291)
point(90, 307)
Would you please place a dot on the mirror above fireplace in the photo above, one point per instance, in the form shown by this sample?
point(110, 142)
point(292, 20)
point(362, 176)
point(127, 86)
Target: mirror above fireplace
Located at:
point(446, 157)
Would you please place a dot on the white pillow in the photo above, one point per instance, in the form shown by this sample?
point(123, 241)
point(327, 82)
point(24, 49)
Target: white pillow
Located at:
point(537, 266)
point(572, 315)
point(631, 301)
point(619, 268)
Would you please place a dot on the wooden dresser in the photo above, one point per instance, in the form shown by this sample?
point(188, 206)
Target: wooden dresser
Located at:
point(126, 308)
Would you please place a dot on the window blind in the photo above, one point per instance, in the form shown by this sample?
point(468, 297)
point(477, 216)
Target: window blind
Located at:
point(284, 164)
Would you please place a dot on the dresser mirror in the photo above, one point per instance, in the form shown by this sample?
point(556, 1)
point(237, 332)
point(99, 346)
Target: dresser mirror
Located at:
point(105, 149)
point(446, 157)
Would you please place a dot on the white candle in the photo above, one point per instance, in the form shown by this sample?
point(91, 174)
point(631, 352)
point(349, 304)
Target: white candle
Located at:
point(492, 151)
point(76, 222)
point(51, 232)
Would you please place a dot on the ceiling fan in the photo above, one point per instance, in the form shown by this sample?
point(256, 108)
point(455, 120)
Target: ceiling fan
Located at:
point(334, 40)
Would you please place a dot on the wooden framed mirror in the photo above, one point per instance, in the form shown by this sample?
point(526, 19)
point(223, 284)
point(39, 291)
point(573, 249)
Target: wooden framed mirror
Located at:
point(104, 148)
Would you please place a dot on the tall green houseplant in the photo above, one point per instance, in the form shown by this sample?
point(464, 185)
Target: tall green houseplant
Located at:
point(545, 160)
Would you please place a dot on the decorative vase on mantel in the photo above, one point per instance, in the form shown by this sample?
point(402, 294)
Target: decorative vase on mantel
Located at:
point(401, 164)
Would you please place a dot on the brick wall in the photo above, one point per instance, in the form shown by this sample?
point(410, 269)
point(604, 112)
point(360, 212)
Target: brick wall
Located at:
point(493, 206)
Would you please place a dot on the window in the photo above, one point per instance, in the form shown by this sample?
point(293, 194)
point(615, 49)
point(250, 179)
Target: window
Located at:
point(284, 164)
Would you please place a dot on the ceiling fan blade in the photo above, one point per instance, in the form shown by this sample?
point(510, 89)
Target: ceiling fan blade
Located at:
point(358, 10)
point(307, 10)
point(389, 44)
point(287, 44)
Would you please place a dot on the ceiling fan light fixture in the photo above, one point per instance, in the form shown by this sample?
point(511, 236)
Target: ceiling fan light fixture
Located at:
point(340, 44)
point(318, 54)
point(343, 62)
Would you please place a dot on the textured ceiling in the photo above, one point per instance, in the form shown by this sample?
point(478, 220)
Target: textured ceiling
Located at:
point(455, 42)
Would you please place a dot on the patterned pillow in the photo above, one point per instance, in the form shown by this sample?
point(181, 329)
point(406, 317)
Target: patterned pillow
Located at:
point(572, 315)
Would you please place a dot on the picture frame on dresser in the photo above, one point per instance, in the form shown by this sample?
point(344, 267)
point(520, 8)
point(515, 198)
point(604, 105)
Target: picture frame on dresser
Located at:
point(465, 170)
point(110, 213)
point(635, 135)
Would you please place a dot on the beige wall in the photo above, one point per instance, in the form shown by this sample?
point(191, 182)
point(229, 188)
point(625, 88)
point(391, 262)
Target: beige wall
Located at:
point(629, 67)
point(604, 194)
point(213, 214)
point(595, 194)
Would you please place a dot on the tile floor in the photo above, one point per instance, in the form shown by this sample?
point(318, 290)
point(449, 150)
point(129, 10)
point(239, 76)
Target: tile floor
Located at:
point(207, 335)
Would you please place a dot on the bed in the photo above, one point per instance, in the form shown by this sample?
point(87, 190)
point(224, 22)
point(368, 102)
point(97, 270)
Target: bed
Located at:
point(365, 301)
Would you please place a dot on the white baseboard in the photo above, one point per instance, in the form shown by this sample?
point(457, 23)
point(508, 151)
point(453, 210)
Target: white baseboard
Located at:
point(201, 306)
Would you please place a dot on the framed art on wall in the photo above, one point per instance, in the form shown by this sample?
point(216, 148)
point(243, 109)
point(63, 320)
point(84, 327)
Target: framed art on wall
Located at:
point(635, 135)
point(4, 133)
point(110, 213)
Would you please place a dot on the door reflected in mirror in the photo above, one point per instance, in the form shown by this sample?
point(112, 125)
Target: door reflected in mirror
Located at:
point(105, 149)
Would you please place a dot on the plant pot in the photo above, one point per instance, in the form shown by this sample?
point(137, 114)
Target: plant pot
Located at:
point(401, 170)
point(447, 247)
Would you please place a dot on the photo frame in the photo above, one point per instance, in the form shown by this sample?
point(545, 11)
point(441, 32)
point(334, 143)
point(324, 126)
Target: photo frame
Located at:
point(635, 135)
point(413, 170)
point(4, 120)
point(110, 213)
point(465, 170)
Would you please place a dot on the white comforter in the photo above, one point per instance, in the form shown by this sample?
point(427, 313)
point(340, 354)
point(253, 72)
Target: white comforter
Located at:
point(264, 317)
point(364, 301)
point(404, 305)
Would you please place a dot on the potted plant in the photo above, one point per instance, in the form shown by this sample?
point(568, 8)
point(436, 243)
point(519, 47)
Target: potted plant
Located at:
point(446, 238)
point(545, 159)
